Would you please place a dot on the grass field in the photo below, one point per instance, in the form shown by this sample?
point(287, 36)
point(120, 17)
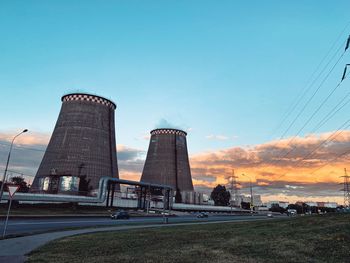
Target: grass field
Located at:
point(322, 238)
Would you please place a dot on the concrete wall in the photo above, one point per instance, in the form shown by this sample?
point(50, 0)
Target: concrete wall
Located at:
point(83, 142)
point(167, 160)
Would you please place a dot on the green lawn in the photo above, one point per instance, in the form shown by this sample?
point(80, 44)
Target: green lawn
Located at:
point(323, 238)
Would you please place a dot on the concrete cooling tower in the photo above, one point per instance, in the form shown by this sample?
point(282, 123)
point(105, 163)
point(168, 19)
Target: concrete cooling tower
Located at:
point(82, 147)
point(167, 160)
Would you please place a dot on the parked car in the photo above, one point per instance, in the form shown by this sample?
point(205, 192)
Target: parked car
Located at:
point(202, 215)
point(120, 215)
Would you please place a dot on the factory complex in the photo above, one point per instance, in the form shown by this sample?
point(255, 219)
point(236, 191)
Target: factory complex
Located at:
point(80, 162)
point(80, 165)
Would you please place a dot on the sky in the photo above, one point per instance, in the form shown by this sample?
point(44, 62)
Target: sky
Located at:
point(227, 72)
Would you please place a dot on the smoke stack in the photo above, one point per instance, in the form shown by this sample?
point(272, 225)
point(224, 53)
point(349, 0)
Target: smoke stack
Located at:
point(82, 147)
point(167, 160)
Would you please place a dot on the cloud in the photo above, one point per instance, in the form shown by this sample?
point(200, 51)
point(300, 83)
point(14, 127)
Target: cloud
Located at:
point(146, 137)
point(163, 123)
point(275, 174)
point(25, 158)
point(129, 154)
point(143, 136)
point(28, 138)
point(130, 162)
point(217, 137)
point(279, 166)
point(293, 186)
point(27, 154)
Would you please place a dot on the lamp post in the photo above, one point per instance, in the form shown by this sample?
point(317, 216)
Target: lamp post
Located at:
point(251, 190)
point(7, 163)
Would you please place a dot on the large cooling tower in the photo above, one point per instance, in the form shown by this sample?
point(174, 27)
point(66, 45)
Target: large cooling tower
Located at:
point(82, 147)
point(167, 160)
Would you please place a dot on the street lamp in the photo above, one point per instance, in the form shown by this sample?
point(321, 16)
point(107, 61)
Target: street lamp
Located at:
point(251, 189)
point(7, 163)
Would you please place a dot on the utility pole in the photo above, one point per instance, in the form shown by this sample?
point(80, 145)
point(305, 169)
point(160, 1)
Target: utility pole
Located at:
point(346, 188)
point(251, 192)
point(7, 164)
point(233, 188)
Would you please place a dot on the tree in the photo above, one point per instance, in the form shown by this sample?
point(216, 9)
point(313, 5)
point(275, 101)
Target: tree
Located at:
point(245, 205)
point(84, 185)
point(220, 196)
point(301, 209)
point(297, 207)
point(277, 208)
point(17, 180)
point(178, 197)
point(5, 186)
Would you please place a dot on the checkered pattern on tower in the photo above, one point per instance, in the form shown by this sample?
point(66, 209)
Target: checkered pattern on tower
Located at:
point(168, 131)
point(90, 98)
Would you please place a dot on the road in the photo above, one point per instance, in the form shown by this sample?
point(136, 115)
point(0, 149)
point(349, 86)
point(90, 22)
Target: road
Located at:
point(31, 226)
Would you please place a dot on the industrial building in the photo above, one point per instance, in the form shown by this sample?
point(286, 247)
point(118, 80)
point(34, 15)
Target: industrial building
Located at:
point(82, 147)
point(167, 160)
point(247, 199)
point(283, 204)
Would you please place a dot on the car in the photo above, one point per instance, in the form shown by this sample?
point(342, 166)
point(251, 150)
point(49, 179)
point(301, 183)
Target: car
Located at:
point(202, 215)
point(120, 215)
point(269, 215)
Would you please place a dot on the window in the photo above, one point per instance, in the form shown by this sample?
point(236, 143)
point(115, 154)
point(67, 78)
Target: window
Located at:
point(46, 183)
point(69, 183)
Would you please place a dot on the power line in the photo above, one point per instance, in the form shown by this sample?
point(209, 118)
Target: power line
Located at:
point(310, 118)
point(308, 86)
point(18, 172)
point(331, 113)
point(332, 137)
point(19, 147)
point(329, 139)
point(313, 95)
point(310, 99)
point(346, 188)
point(327, 163)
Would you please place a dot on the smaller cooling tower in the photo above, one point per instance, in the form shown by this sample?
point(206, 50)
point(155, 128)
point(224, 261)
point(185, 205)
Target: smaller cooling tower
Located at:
point(167, 160)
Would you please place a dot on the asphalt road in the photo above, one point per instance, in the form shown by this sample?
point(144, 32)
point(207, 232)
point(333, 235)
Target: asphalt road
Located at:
point(31, 226)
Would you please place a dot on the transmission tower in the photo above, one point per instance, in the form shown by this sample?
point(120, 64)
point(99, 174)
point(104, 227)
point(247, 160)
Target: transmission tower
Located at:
point(346, 188)
point(233, 187)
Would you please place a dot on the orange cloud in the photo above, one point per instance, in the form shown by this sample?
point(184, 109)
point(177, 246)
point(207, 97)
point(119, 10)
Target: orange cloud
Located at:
point(28, 138)
point(307, 161)
point(296, 198)
point(278, 169)
point(134, 176)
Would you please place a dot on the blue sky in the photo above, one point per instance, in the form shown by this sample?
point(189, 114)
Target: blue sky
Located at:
point(225, 70)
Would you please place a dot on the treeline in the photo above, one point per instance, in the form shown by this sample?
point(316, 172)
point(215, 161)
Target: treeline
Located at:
point(17, 180)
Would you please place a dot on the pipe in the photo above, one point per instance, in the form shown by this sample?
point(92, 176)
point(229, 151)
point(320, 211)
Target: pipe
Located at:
point(100, 198)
